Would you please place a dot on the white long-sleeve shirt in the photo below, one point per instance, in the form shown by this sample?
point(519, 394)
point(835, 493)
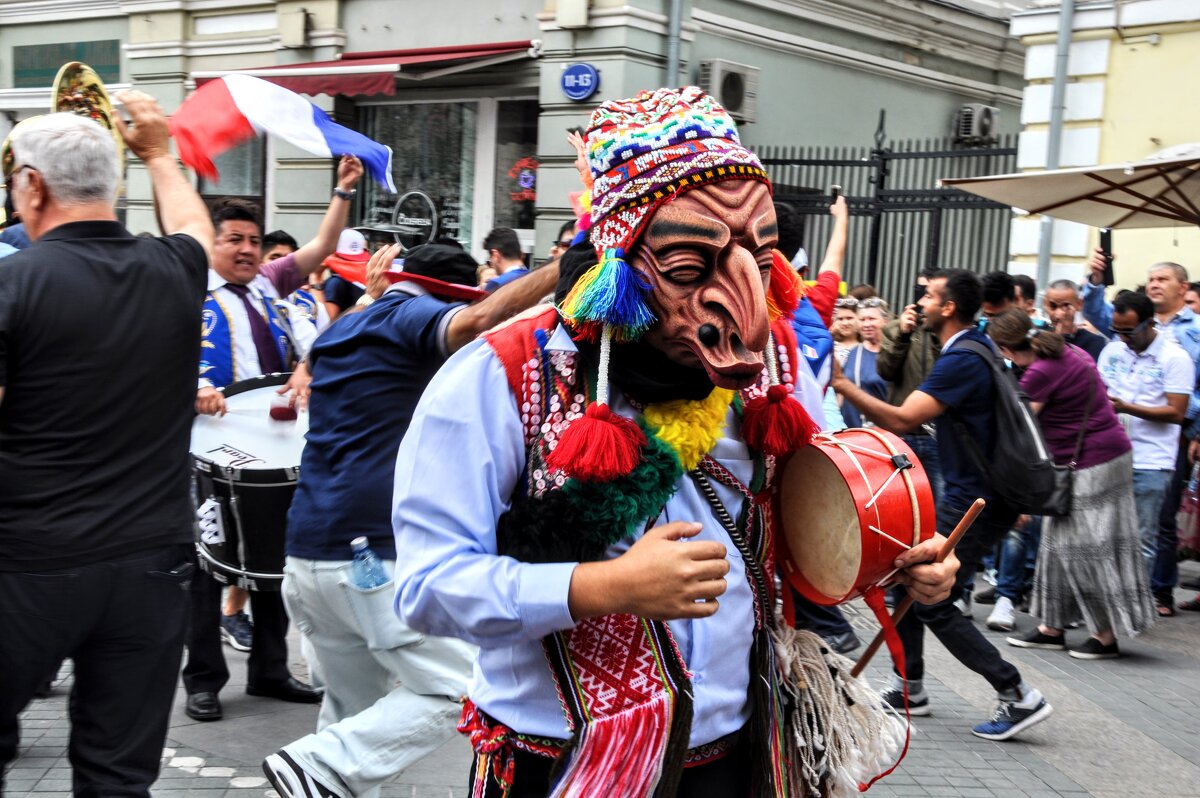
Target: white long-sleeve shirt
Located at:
point(456, 470)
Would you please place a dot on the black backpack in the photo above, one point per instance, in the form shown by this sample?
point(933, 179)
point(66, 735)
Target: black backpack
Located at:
point(1021, 470)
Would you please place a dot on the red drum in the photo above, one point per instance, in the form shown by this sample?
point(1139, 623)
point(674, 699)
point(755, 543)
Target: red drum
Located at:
point(848, 504)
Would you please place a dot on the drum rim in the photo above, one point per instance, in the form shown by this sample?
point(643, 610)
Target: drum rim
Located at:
point(254, 383)
point(276, 476)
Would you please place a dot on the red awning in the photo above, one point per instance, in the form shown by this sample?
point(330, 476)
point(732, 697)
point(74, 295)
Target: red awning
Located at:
point(376, 72)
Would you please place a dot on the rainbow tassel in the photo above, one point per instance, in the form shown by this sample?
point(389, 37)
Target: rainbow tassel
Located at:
point(614, 293)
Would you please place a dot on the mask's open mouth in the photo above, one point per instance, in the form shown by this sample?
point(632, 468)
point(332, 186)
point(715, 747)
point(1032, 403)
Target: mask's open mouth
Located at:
point(728, 362)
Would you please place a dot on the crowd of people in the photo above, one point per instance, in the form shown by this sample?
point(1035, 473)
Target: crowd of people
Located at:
point(523, 450)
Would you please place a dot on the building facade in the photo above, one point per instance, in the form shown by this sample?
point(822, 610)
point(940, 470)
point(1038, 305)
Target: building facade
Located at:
point(476, 98)
point(1129, 67)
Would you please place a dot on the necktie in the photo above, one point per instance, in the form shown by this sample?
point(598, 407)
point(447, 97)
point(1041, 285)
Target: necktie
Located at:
point(264, 342)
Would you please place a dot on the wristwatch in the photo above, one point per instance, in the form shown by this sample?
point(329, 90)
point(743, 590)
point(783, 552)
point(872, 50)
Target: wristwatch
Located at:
point(346, 195)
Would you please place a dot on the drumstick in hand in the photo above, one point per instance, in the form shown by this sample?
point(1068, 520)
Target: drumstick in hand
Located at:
point(905, 603)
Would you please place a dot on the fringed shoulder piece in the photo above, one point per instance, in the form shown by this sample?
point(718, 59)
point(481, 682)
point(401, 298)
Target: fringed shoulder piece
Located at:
point(516, 341)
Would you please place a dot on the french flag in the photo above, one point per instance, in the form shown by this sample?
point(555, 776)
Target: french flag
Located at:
point(225, 112)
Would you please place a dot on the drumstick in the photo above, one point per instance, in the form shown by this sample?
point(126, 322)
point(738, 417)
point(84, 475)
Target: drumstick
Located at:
point(968, 518)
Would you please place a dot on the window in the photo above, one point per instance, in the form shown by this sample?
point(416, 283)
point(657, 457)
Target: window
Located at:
point(241, 174)
point(433, 154)
point(516, 164)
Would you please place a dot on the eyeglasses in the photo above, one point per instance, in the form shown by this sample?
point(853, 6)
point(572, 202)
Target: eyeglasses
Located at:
point(1129, 332)
point(564, 244)
point(8, 183)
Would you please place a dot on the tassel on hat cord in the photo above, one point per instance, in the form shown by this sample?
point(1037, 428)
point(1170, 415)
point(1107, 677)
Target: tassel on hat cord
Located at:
point(776, 424)
point(601, 445)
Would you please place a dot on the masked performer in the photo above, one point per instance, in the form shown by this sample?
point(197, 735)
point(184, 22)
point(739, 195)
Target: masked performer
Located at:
point(585, 494)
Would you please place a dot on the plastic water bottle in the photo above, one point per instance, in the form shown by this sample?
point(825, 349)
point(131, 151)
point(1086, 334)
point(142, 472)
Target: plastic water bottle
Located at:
point(366, 569)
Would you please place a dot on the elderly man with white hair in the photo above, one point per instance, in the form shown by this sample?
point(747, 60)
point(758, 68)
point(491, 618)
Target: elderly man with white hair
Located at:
point(98, 355)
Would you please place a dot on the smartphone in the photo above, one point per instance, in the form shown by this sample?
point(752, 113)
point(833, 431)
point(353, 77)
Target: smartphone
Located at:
point(835, 191)
point(918, 295)
point(1106, 250)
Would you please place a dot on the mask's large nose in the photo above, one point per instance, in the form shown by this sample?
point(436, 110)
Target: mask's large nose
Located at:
point(732, 345)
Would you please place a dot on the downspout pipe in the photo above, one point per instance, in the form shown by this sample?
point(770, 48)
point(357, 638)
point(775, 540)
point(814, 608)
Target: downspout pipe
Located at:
point(1058, 106)
point(674, 25)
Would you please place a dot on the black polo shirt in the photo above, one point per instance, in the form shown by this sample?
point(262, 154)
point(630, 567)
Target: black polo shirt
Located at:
point(99, 347)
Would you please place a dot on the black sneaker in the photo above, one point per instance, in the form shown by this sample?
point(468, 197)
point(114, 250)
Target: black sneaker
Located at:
point(1013, 717)
point(292, 781)
point(985, 596)
point(1036, 639)
point(237, 631)
point(1094, 649)
point(918, 703)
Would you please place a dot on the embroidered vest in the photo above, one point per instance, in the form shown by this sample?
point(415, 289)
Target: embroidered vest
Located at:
point(217, 360)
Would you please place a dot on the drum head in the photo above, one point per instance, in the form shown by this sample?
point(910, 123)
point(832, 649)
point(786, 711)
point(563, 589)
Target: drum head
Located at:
point(246, 437)
point(820, 522)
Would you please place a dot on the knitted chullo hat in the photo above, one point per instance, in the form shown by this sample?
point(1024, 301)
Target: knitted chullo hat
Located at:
point(642, 152)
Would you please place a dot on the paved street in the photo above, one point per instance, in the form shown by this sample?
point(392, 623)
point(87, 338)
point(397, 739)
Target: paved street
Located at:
point(1129, 727)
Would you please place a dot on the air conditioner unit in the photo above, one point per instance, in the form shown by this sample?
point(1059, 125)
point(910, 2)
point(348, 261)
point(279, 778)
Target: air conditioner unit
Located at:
point(976, 123)
point(734, 85)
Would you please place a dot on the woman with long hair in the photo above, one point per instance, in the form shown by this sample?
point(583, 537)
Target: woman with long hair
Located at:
point(1089, 562)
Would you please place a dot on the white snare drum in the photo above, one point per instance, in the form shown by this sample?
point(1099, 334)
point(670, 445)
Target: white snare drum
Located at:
point(245, 465)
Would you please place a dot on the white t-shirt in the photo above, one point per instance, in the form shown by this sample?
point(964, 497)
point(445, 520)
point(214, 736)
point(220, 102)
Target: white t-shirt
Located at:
point(1146, 379)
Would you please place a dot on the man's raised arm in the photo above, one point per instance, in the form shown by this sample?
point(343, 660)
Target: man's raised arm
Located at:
point(180, 209)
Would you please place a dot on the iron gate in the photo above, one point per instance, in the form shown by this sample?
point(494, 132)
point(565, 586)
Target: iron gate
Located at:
point(900, 221)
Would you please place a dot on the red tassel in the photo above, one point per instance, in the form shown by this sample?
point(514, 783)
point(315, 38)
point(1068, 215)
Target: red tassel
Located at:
point(785, 285)
point(599, 446)
point(776, 424)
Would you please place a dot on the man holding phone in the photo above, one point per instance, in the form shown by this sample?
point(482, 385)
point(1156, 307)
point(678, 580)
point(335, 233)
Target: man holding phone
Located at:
point(906, 356)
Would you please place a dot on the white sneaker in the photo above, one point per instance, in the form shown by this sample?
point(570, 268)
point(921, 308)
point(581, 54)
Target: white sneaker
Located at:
point(1004, 615)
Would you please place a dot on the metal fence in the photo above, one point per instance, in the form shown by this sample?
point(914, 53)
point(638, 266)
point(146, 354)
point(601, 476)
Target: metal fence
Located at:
point(900, 221)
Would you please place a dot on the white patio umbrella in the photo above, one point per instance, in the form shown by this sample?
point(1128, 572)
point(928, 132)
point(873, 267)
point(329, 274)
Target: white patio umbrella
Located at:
point(1162, 190)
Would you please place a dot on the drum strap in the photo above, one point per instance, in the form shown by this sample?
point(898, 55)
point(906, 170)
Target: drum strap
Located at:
point(874, 599)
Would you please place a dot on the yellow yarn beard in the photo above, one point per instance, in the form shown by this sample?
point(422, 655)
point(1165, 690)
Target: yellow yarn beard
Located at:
point(690, 427)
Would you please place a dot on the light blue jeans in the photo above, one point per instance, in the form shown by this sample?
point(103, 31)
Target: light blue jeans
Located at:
point(391, 694)
point(1149, 489)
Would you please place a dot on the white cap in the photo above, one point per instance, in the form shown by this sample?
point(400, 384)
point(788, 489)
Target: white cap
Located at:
point(352, 245)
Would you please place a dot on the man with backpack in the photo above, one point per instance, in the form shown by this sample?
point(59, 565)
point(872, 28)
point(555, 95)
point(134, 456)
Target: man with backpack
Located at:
point(961, 388)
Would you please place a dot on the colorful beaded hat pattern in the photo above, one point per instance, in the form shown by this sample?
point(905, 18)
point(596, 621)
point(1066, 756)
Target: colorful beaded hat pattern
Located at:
point(644, 151)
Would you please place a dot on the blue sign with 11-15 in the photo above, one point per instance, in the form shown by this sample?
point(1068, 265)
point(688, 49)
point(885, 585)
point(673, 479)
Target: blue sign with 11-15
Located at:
point(580, 81)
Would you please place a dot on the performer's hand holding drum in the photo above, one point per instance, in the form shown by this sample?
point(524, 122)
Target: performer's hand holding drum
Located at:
point(848, 504)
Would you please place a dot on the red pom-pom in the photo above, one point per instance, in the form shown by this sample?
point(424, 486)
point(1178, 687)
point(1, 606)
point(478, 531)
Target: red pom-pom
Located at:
point(599, 446)
point(776, 424)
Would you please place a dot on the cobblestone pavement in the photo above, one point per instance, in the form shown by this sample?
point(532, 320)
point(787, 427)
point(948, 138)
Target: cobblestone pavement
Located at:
point(1125, 727)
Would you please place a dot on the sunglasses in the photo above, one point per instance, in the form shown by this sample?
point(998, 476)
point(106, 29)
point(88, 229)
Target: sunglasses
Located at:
point(1129, 332)
point(852, 303)
point(564, 244)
